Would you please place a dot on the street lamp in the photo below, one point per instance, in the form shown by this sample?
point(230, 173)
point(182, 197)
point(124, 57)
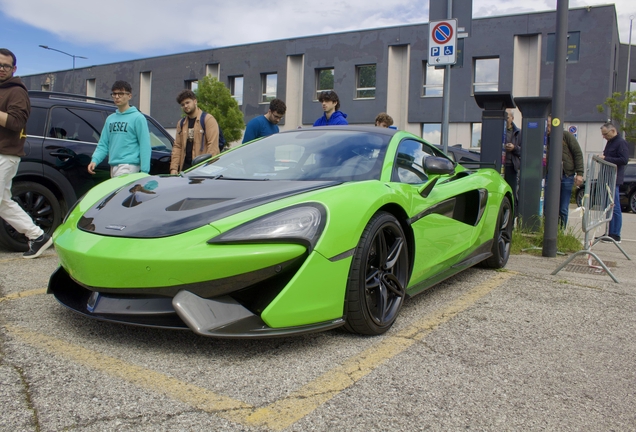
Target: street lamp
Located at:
point(629, 54)
point(70, 55)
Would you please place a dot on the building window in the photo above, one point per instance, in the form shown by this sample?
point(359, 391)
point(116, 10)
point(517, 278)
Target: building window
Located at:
point(268, 87)
point(212, 70)
point(475, 135)
point(192, 85)
point(432, 132)
point(486, 75)
point(324, 81)
point(236, 88)
point(433, 81)
point(91, 87)
point(365, 82)
point(145, 91)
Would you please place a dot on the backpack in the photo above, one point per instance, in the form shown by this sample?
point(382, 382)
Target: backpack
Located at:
point(222, 142)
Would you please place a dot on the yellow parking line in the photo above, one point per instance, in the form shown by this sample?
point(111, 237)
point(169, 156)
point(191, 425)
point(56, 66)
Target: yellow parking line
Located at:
point(23, 294)
point(287, 411)
point(284, 412)
point(142, 377)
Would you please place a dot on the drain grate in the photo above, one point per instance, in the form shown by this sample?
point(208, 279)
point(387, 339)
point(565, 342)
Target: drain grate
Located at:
point(580, 265)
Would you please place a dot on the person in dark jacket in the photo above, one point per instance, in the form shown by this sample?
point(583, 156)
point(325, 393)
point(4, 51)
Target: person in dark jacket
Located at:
point(513, 155)
point(571, 173)
point(15, 108)
point(332, 115)
point(615, 152)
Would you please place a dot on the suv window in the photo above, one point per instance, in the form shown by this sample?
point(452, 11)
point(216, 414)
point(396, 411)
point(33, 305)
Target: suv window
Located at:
point(36, 121)
point(158, 141)
point(76, 124)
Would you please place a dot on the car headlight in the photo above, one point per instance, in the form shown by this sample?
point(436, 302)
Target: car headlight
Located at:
point(300, 224)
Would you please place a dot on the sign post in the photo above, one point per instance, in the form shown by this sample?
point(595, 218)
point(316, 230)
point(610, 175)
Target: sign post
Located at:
point(442, 42)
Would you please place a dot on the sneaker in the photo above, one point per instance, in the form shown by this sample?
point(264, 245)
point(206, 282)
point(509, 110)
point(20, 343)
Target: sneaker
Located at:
point(614, 237)
point(37, 246)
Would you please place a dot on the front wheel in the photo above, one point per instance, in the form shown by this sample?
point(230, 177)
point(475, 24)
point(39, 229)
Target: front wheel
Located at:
point(631, 204)
point(502, 238)
point(39, 203)
point(377, 281)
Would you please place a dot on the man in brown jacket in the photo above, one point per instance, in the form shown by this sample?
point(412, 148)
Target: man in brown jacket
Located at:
point(15, 108)
point(193, 140)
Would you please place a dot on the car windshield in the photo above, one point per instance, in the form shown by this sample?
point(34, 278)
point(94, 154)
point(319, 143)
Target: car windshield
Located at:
point(309, 154)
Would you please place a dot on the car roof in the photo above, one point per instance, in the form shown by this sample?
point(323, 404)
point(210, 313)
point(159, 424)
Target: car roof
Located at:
point(51, 98)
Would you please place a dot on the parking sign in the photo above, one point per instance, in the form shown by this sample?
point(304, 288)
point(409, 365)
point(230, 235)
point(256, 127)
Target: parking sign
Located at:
point(442, 42)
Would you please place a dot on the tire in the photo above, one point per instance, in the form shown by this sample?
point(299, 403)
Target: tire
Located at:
point(379, 273)
point(39, 203)
point(502, 238)
point(631, 204)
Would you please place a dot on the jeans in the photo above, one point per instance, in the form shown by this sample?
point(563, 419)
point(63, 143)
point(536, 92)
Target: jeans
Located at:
point(511, 177)
point(10, 211)
point(616, 223)
point(567, 183)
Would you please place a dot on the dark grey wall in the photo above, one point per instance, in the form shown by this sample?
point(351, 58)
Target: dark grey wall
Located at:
point(589, 81)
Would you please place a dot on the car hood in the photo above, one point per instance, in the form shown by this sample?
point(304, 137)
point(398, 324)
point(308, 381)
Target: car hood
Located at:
point(156, 206)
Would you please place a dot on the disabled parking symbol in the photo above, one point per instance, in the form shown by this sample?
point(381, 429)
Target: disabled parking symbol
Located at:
point(448, 50)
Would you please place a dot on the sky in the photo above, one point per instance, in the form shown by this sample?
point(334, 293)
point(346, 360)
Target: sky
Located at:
point(120, 30)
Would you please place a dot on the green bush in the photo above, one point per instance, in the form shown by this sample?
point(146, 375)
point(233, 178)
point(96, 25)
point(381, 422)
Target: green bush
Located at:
point(214, 97)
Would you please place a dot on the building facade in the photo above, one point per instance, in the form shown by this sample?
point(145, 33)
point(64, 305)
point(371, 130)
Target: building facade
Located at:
point(386, 69)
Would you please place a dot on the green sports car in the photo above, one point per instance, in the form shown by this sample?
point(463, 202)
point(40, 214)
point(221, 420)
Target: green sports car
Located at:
point(302, 231)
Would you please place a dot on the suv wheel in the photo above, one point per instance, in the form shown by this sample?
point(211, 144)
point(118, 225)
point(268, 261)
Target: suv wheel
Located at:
point(39, 203)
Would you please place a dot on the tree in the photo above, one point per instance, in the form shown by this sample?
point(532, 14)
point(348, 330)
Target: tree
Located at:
point(618, 106)
point(215, 98)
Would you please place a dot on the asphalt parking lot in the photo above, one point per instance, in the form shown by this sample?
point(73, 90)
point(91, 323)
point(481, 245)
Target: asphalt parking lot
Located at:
point(518, 349)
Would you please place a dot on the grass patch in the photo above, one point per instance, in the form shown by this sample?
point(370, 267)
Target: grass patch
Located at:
point(526, 241)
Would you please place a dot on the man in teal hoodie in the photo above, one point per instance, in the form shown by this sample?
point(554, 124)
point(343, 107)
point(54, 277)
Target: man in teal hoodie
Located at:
point(125, 138)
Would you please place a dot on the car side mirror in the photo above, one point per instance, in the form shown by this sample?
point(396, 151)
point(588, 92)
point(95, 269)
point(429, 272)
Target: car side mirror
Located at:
point(438, 165)
point(197, 160)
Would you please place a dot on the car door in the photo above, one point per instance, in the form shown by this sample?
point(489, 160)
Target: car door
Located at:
point(70, 139)
point(161, 144)
point(442, 218)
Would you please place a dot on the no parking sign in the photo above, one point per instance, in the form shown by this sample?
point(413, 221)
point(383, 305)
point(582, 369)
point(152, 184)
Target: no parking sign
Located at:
point(442, 42)
point(574, 130)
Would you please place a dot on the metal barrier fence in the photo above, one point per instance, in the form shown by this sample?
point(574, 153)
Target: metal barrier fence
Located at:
point(598, 206)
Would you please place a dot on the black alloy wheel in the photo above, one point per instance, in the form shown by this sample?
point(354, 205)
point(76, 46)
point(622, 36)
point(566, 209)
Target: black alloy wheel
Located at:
point(39, 203)
point(502, 239)
point(376, 287)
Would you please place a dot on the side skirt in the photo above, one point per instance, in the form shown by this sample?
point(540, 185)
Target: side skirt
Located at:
point(481, 253)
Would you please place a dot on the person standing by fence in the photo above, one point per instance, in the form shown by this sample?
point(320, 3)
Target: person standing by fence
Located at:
point(615, 152)
point(572, 171)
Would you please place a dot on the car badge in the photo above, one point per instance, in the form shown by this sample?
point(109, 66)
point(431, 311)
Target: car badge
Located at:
point(116, 227)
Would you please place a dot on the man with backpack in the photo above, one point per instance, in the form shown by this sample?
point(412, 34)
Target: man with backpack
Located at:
point(197, 134)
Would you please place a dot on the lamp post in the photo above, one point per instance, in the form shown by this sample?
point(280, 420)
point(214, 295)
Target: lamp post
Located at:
point(70, 55)
point(629, 54)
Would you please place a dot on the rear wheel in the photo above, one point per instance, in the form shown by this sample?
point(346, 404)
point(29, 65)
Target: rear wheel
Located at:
point(39, 203)
point(631, 204)
point(502, 238)
point(377, 281)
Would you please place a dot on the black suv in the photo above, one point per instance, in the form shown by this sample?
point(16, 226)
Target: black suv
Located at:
point(62, 134)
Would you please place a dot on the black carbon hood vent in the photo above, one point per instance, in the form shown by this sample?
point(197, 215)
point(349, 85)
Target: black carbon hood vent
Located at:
point(163, 206)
